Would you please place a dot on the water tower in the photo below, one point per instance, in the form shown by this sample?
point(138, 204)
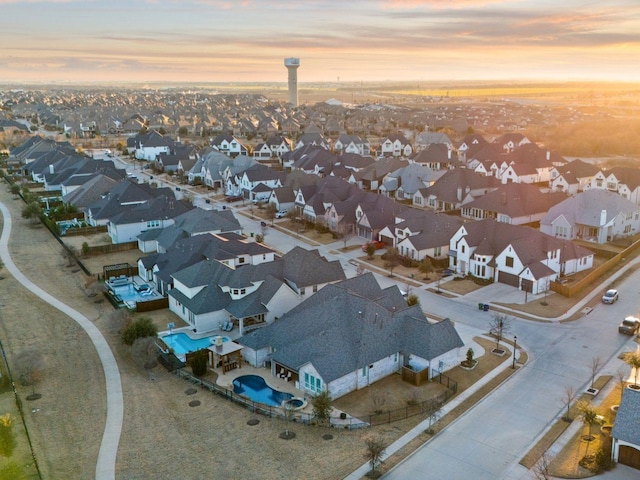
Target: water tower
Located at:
point(292, 65)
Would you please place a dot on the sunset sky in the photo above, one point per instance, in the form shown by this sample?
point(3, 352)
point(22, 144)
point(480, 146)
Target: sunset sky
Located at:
point(355, 40)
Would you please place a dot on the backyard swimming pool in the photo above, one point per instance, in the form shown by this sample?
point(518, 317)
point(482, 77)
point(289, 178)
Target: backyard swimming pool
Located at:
point(256, 389)
point(182, 344)
point(130, 293)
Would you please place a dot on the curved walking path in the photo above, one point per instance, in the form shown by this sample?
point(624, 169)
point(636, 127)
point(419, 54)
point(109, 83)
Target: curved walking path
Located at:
point(106, 464)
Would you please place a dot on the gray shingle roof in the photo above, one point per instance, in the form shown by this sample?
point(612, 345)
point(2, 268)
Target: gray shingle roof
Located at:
point(626, 426)
point(351, 324)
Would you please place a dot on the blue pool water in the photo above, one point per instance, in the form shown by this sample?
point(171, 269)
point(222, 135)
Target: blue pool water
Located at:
point(181, 343)
point(255, 388)
point(129, 293)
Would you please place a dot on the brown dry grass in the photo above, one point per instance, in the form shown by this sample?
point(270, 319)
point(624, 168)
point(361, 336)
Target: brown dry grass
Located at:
point(162, 435)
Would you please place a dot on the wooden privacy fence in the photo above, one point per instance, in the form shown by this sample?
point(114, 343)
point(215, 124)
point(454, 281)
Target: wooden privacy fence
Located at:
point(117, 270)
point(596, 274)
point(150, 305)
point(76, 231)
point(103, 249)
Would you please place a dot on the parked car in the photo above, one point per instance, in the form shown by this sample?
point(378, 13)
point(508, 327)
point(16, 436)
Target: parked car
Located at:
point(610, 296)
point(281, 214)
point(376, 244)
point(629, 326)
point(263, 223)
point(447, 272)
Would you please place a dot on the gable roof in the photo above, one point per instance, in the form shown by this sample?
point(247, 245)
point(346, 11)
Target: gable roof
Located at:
point(349, 325)
point(585, 208)
point(517, 200)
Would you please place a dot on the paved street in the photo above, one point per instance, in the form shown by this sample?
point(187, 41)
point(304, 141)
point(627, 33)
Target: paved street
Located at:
point(489, 440)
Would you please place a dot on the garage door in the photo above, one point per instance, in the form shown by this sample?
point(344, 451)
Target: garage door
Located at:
point(509, 279)
point(629, 456)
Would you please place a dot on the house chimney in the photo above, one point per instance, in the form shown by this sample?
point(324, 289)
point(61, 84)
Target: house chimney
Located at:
point(548, 155)
point(603, 218)
point(459, 194)
point(51, 168)
point(449, 154)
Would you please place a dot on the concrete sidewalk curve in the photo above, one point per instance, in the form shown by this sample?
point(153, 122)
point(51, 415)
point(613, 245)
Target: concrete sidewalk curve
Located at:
point(106, 464)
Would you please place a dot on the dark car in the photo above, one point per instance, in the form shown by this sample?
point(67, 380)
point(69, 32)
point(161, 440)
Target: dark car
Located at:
point(447, 272)
point(629, 325)
point(263, 223)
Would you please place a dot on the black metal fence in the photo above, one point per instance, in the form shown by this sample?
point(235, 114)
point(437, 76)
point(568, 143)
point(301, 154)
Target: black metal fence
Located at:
point(429, 406)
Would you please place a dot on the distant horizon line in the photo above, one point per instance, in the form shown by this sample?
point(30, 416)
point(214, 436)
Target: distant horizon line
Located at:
point(283, 84)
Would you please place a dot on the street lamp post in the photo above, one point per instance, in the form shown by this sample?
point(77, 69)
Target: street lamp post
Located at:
point(515, 346)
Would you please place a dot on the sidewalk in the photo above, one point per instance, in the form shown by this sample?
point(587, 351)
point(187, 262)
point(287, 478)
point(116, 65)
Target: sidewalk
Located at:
point(422, 426)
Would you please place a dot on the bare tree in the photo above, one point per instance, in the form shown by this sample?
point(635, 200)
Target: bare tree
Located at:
point(499, 327)
point(596, 364)
point(29, 365)
point(119, 319)
point(391, 260)
point(567, 399)
point(70, 253)
point(345, 239)
point(375, 450)
point(621, 377)
point(379, 399)
point(541, 468)
point(144, 352)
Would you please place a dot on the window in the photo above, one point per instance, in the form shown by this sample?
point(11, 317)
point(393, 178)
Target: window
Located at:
point(364, 371)
point(302, 292)
point(240, 259)
point(462, 248)
point(315, 288)
point(153, 223)
point(235, 291)
point(243, 291)
point(437, 251)
point(312, 383)
point(508, 261)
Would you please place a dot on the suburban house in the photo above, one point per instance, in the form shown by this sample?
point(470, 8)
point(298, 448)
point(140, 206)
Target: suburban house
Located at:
point(625, 435)
point(124, 195)
point(371, 176)
point(312, 201)
point(454, 189)
point(374, 213)
point(350, 335)
point(436, 156)
point(519, 256)
point(229, 145)
point(351, 144)
point(572, 177)
point(425, 139)
point(159, 212)
point(395, 145)
point(231, 249)
point(418, 234)
point(313, 138)
point(406, 181)
point(623, 180)
point(595, 215)
point(282, 198)
point(193, 222)
point(315, 161)
point(470, 145)
point(511, 141)
point(147, 146)
point(256, 175)
point(209, 292)
point(514, 203)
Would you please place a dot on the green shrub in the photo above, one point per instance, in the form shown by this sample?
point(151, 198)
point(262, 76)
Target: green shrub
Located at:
point(142, 327)
point(7, 437)
point(199, 362)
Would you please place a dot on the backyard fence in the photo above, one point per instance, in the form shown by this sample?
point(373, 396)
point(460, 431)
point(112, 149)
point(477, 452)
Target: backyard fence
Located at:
point(150, 305)
point(77, 231)
point(595, 274)
point(428, 407)
point(111, 248)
